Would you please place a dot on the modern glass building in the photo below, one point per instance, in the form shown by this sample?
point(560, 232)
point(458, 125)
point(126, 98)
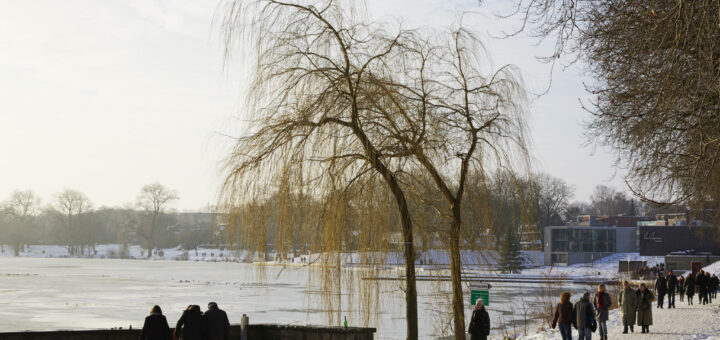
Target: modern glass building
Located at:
point(566, 245)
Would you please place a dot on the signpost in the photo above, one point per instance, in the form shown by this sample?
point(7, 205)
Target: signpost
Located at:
point(480, 291)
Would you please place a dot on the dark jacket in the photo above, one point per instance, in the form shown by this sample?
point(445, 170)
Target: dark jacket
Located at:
point(672, 283)
point(155, 328)
point(480, 322)
point(584, 314)
point(644, 312)
point(218, 326)
point(701, 282)
point(690, 286)
point(563, 314)
point(661, 285)
point(191, 325)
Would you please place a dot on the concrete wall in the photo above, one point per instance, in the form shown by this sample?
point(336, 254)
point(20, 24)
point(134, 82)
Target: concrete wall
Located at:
point(255, 332)
point(681, 263)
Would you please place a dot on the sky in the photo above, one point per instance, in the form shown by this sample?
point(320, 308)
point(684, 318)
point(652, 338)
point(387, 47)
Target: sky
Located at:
point(107, 96)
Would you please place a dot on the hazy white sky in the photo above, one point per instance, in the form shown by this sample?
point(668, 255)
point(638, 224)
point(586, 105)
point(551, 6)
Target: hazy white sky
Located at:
point(106, 96)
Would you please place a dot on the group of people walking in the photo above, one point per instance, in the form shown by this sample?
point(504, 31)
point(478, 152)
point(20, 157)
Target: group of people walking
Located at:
point(635, 304)
point(702, 284)
point(192, 325)
point(585, 316)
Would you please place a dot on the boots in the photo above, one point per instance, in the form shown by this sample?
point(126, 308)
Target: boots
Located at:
point(625, 329)
point(632, 329)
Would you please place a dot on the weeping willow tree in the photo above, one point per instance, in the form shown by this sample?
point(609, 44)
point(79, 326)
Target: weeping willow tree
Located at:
point(309, 129)
point(338, 104)
point(456, 117)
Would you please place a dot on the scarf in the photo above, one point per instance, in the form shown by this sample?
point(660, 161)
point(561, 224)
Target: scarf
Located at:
point(601, 301)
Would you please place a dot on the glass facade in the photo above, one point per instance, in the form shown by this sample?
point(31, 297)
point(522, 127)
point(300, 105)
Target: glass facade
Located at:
point(583, 240)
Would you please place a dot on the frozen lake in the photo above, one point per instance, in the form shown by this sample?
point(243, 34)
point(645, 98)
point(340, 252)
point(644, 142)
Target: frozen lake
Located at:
point(73, 293)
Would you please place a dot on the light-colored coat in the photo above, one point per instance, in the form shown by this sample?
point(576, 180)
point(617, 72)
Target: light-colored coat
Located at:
point(644, 313)
point(627, 300)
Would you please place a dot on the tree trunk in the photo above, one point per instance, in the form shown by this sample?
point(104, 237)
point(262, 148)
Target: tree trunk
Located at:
point(409, 253)
point(456, 272)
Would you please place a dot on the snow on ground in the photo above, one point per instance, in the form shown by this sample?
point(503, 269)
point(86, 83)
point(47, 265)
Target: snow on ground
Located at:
point(683, 323)
point(103, 251)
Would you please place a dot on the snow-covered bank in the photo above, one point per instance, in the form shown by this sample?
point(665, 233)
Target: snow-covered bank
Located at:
point(108, 251)
point(683, 323)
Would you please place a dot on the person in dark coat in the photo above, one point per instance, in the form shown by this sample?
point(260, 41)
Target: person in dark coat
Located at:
point(661, 289)
point(709, 284)
point(217, 323)
point(690, 288)
point(479, 322)
point(681, 287)
point(672, 286)
point(191, 325)
point(644, 312)
point(702, 286)
point(584, 317)
point(715, 285)
point(156, 326)
point(602, 304)
point(564, 316)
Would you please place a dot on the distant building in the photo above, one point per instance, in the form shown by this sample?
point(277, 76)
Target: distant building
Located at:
point(610, 221)
point(566, 245)
point(663, 240)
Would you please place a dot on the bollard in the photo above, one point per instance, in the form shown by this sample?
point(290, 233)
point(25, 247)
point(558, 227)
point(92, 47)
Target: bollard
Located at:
point(244, 327)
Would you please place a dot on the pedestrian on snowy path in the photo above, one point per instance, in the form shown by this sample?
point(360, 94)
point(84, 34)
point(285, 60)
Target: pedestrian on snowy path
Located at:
point(191, 325)
point(564, 316)
point(672, 285)
point(690, 288)
point(602, 304)
point(709, 284)
point(627, 299)
point(702, 287)
point(480, 322)
point(661, 289)
point(584, 317)
point(715, 283)
point(156, 326)
point(644, 313)
point(681, 287)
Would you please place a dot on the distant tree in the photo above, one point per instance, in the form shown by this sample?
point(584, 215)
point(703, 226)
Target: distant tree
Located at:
point(606, 200)
point(576, 209)
point(551, 198)
point(153, 199)
point(21, 209)
point(511, 257)
point(69, 208)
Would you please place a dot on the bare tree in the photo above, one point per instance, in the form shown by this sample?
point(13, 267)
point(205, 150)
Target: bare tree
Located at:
point(551, 198)
point(69, 207)
point(153, 199)
point(310, 118)
point(455, 117)
point(21, 208)
point(657, 94)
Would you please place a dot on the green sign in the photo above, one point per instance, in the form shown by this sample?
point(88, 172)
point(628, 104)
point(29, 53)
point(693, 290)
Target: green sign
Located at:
point(480, 294)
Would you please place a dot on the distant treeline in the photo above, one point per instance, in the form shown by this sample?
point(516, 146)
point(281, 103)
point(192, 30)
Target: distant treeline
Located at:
point(69, 219)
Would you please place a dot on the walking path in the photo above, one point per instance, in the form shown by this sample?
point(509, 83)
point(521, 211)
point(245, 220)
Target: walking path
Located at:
point(684, 322)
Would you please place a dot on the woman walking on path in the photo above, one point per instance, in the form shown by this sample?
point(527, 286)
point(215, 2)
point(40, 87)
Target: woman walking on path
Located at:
point(602, 304)
point(681, 287)
point(644, 312)
point(564, 316)
point(627, 299)
point(480, 322)
point(690, 288)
